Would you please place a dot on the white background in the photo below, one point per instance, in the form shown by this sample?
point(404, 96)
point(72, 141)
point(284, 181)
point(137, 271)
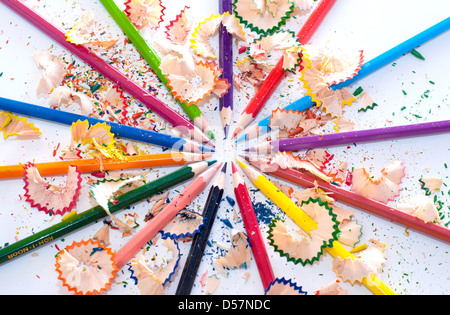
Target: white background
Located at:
point(416, 263)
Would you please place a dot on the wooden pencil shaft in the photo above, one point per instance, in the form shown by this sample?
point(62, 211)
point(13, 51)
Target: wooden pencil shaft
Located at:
point(93, 165)
point(199, 242)
point(93, 215)
point(359, 136)
point(68, 119)
point(255, 237)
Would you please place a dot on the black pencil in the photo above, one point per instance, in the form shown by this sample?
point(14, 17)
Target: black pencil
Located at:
point(200, 239)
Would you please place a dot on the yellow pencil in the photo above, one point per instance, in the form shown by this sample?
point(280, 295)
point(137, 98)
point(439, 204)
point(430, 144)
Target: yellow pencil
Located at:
point(306, 223)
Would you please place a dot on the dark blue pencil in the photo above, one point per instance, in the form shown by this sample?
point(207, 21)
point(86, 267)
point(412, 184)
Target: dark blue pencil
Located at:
point(200, 239)
point(124, 131)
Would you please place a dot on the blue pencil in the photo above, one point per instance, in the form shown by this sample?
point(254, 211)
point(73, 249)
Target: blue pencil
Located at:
point(124, 131)
point(366, 69)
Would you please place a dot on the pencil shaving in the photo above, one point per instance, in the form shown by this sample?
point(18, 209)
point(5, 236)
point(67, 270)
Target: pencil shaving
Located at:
point(48, 197)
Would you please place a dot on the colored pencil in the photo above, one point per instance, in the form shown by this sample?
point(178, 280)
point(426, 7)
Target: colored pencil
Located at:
point(367, 68)
point(124, 131)
point(349, 197)
point(306, 223)
point(252, 228)
point(226, 63)
point(397, 51)
point(153, 60)
point(93, 215)
point(201, 239)
point(144, 96)
point(263, 127)
point(159, 221)
point(94, 165)
point(277, 73)
point(358, 136)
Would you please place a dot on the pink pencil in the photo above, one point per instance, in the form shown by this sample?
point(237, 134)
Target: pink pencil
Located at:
point(165, 112)
point(252, 228)
point(148, 231)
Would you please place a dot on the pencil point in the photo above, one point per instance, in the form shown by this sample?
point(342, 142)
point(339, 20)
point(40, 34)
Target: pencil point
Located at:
point(244, 137)
point(211, 162)
point(206, 149)
point(242, 165)
point(245, 157)
point(225, 130)
point(224, 168)
point(236, 132)
point(233, 167)
point(211, 135)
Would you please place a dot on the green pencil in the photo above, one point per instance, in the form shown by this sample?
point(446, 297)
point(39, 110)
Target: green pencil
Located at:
point(154, 61)
point(92, 215)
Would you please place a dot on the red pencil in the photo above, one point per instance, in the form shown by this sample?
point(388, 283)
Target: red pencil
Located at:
point(277, 74)
point(252, 228)
point(349, 197)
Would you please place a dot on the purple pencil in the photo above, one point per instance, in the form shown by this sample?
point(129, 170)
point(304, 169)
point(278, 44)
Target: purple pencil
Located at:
point(226, 63)
point(304, 143)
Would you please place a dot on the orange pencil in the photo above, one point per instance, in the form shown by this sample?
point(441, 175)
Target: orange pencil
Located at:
point(148, 231)
point(94, 165)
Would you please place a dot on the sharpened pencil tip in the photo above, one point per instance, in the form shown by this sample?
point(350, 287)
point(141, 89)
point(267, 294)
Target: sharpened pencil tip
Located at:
point(243, 138)
point(206, 149)
point(225, 130)
point(241, 164)
point(211, 135)
point(224, 168)
point(211, 162)
point(245, 157)
point(236, 133)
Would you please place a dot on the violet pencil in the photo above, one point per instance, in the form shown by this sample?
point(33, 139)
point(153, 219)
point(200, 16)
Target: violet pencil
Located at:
point(341, 138)
point(226, 63)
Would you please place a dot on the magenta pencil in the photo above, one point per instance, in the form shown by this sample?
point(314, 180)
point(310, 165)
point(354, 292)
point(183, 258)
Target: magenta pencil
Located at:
point(252, 228)
point(158, 222)
point(165, 112)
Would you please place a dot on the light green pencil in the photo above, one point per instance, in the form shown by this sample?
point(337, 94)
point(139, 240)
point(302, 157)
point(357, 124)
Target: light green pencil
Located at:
point(153, 60)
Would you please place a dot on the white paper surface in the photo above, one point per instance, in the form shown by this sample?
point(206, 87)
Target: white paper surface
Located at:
point(416, 263)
